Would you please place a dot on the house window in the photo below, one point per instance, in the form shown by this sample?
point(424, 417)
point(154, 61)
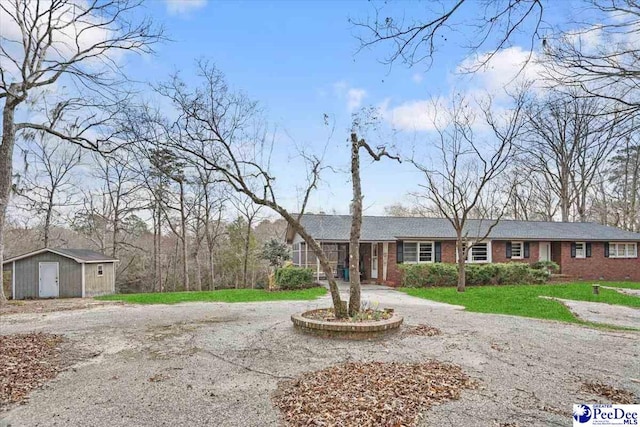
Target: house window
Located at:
point(100, 269)
point(296, 254)
point(418, 251)
point(517, 250)
point(479, 253)
point(623, 250)
point(581, 251)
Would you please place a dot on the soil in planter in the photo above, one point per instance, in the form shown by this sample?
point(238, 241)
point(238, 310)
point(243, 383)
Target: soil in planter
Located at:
point(364, 316)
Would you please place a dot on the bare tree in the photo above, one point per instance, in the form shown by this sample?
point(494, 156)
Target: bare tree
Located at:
point(218, 129)
point(599, 56)
point(567, 141)
point(460, 186)
point(213, 206)
point(249, 212)
point(43, 43)
point(356, 215)
point(415, 40)
point(48, 184)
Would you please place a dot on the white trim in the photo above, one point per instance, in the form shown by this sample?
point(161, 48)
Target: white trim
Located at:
point(57, 264)
point(83, 282)
point(521, 243)
point(13, 280)
point(418, 243)
point(547, 246)
point(374, 245)
point(626, 244)
point(469, 259)
point(584, 249)
point(41, 251)
point(385, 259)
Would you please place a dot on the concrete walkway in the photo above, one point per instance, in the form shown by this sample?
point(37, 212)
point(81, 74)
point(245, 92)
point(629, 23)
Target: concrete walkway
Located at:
point(218, 364)
point(626, 291)
point(385, 296)
point(598, 312)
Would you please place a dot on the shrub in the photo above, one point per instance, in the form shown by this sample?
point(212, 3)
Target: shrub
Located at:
point(442, 274)
point(292, 277)
point(548, 266)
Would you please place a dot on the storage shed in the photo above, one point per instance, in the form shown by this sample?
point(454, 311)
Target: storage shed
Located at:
point(61, 273)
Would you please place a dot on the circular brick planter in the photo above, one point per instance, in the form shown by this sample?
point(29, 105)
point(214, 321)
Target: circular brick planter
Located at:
point(346, 330)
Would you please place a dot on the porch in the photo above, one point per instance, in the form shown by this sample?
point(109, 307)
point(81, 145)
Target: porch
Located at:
point(374, 260)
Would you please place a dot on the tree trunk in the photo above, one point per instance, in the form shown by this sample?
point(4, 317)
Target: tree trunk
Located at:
point(183, 225)
point(212, 278)
point(47, 218)
point(198, 283)
point(340, 309)
point(159, 253)
point(6, 172)
point(462, 280)
point(356, 224)
point(245, 264)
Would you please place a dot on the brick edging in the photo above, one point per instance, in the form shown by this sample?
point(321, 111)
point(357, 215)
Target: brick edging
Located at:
point(372, 328)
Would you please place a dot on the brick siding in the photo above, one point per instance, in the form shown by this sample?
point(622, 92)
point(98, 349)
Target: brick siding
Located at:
point(596, 267)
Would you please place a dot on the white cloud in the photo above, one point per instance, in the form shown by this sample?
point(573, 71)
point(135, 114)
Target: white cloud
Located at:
point(73, 33)
point(504, 72)
point(417, 115)
point(417, 78)
point(184, 7)
point(353, 95)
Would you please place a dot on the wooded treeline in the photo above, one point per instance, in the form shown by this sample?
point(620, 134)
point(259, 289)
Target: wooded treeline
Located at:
point(179, 193)
point(575, 159)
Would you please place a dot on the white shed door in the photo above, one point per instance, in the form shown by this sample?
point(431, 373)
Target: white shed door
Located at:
point(49, 287)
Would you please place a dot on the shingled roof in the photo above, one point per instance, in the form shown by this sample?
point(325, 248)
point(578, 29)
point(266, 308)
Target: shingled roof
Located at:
point(388, 228)
point(79, 255)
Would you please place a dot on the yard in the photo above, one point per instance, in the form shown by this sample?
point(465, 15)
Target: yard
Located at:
point(213, 363)
point(526, 301)
point(222, 295)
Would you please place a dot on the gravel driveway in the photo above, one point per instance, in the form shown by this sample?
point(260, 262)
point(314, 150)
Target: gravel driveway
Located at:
point(217, 364)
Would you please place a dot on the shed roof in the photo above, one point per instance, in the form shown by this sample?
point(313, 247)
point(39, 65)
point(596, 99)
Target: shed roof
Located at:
point(388, 228)
point(82, 256)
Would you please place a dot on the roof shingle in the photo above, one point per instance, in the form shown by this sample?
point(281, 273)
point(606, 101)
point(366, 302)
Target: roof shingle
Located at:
point(386, 228)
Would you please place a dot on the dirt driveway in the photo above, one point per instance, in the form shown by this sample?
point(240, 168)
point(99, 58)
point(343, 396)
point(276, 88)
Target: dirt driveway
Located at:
point(217, 364)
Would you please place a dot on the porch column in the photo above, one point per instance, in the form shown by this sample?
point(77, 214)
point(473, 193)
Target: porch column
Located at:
point(385, 260)
point(13, 281)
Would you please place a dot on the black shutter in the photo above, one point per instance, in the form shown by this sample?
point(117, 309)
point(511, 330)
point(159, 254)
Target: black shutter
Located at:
point(399, 252)
point(573, 249)
point(509, 249)
point(526, 249)
point(438, 252)
point(606, 249)
point(588, 249)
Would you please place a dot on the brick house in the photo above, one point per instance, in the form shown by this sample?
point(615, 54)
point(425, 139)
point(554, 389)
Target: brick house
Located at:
point(582, 250)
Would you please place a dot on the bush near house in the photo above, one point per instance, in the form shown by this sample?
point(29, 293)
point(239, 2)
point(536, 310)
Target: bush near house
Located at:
point(443, 274)
point(291, 277)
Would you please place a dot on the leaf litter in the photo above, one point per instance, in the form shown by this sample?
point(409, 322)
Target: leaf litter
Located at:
point(369, 394)
point(27, 361)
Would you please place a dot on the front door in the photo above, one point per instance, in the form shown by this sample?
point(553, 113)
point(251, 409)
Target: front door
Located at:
point(545, 251)
point(374, 260)
point(49, 287)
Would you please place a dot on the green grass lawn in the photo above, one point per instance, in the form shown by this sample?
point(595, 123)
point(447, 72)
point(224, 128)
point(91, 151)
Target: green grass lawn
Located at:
point(223, 295)
point(524, 300)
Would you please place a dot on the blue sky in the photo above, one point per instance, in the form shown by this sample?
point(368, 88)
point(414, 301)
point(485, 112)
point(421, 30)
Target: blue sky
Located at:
point(299, 60)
